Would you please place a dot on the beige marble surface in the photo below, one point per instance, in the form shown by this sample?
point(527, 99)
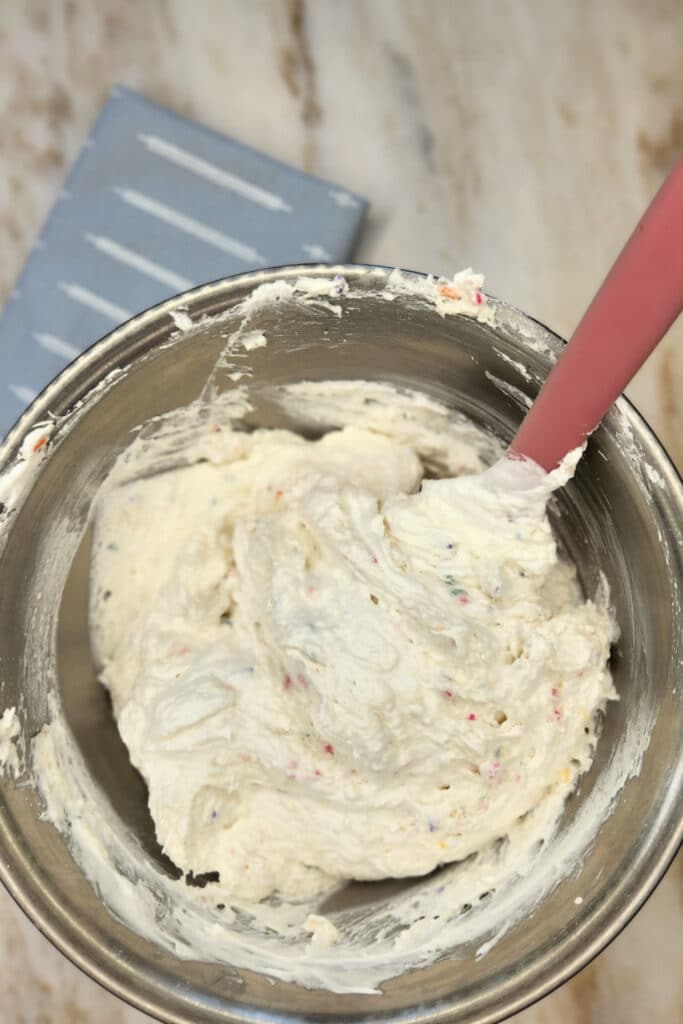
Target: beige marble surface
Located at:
point(520, 136)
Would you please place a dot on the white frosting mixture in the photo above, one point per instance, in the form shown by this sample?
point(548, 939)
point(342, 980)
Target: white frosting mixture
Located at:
point(327, 667)
point(10, 729)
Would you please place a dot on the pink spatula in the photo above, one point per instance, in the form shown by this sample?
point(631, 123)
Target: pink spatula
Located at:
point(639, 300)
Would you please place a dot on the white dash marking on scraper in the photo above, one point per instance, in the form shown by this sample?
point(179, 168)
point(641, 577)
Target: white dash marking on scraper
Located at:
point(210, 172)
point(23, 393)
point(137, 261)
point(190, 226)
point(58, 347)
point(84, 297)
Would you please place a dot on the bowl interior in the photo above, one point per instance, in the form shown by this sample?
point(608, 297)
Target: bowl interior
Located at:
point(614, 518)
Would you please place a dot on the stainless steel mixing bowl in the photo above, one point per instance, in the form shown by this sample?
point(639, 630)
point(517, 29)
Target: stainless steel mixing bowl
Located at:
point(621, 515)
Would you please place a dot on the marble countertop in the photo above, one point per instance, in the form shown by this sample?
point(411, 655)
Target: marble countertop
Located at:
point(522, 138)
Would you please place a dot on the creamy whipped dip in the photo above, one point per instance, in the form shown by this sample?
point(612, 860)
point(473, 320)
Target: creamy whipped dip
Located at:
point(327, 667)
point(356, 657)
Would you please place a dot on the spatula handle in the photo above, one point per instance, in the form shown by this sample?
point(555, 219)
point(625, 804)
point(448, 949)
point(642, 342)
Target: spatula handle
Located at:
point(639, 300)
